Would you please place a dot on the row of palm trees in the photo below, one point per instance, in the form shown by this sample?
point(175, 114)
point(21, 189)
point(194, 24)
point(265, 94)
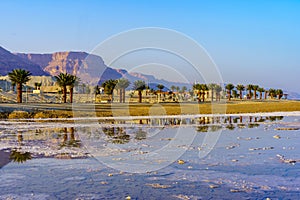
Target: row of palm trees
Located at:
point(255, 88)
point(19, 77)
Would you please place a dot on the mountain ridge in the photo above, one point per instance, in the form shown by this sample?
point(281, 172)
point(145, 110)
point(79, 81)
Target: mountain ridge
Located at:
point(10, 61)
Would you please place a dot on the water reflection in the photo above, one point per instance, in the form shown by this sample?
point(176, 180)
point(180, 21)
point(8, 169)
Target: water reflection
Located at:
point(53, 141)
point(117, 135)
point(19, 157)
point(70, 141)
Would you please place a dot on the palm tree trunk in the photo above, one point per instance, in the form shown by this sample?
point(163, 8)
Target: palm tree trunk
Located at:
point(203, 96)
point(71, 94)
point(266, 93)
point(65, 94)
point(19, 93)
point(212, 95)
point(254, 94)
point(121, 94)
point(140, 96)
point(260, 95)
point(241, 94)
point(229, 95)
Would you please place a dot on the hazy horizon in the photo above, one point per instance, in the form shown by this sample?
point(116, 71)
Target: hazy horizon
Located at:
point(250, 41)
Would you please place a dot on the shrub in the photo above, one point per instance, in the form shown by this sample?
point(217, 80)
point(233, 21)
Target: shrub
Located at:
point(19, 115)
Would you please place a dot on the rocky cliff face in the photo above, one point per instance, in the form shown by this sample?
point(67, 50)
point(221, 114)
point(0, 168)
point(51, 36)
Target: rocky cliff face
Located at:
point(88, 67)
point(9, 61)
point(91, 69)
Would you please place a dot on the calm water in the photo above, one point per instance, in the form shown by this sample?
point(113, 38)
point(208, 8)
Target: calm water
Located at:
point(220, 158)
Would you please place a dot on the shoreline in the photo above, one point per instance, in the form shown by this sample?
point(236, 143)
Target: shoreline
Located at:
point(146, 110)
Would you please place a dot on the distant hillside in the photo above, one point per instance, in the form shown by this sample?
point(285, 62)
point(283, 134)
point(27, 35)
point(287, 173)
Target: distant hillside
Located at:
point(9, 61)
point(90, 68)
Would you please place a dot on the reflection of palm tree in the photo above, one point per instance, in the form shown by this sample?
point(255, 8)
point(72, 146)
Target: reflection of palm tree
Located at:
point(117, 135)
point(19, 157)
point(202, 128)
point(140, 134)
point(230, 127)
point(70, 141)
point(215, 128)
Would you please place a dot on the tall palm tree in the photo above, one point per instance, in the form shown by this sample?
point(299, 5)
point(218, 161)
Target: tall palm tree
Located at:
point(212, 87)
point(177, 88)
point(229, 87)
point(197, 87)
point(204, 89)
point(63, 80)
point(260, 90)
point(255, 87)
point(240, 88)
point(122, 85)
point(109, 87)
point(272, 93)
point(249, 88)
point(279, 93)
point(218, 89)
point(72, 82)
point(139, 86)
point(19, 77)
point(266, 94)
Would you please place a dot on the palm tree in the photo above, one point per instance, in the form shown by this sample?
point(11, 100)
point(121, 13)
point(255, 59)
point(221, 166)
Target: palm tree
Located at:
point(212, 87)
point(63, 80)
point(249, 88)
point(177, 88)
point(240, 88)
point(139, 86)
point(173, 87)
point(260, 90)
point(204, 89)
point(197, 87)
point(255, 87)
point(229, 87)
point(109, 87)
point(160, 87)
point(72, 82)
point(234, 94)
point(183, 89)
point(122, 85)
point(272, 93)
point(279, 93)
point(19, 77)
point(218, 89)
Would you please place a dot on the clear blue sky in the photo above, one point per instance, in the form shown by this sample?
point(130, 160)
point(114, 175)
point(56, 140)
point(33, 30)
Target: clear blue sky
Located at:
point(251, 41)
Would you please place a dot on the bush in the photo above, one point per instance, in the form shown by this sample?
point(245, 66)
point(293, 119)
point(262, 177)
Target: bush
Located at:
point(19, 115)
